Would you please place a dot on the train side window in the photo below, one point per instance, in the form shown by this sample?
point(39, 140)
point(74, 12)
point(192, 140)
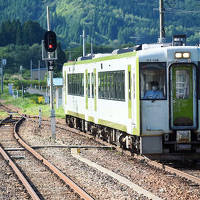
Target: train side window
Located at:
point(75, 84)
point(111, 85)
point(153, 81)
point(92, 85)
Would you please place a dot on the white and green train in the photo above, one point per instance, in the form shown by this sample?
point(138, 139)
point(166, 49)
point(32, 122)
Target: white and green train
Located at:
point(146, 100)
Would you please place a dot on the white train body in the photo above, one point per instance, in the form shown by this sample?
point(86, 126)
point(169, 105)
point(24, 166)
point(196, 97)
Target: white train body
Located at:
point(108, 96)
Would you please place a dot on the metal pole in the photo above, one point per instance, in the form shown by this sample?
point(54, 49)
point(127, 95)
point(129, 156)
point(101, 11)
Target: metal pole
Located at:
point(40, 117)
point(83, 42)
point(1, 77)
point(31, 67)
point(91, 48)
point(53, 124)
point(162, 29)
point(39, 73)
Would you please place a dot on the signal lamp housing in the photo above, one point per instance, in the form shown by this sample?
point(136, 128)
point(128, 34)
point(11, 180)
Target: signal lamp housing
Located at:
point(50, 42)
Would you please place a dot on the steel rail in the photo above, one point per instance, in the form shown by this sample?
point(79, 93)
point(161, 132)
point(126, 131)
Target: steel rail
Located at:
point(139, 157)
point(54, 169)
point(19, 174)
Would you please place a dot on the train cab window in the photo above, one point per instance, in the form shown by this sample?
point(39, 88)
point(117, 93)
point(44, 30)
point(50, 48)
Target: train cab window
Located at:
point(153, 81)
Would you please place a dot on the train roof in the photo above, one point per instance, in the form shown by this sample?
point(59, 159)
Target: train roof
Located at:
point(157, 52)
point(109, 57)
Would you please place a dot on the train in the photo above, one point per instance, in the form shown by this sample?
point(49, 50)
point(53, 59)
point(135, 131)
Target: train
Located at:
point(145, 100)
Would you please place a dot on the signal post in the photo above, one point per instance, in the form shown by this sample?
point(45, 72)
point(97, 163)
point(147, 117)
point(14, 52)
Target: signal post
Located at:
point(49, 54)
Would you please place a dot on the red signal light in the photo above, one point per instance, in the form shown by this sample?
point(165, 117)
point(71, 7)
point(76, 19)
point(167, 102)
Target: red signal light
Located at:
point(50, 43)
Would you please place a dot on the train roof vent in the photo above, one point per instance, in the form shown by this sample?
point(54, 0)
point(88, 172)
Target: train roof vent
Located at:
point(179, 40)
point(88, 57)
point(100, 55)
point(124, 50)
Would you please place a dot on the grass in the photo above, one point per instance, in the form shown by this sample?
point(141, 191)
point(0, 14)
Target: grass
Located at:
point(28, 105)
point(3, 115)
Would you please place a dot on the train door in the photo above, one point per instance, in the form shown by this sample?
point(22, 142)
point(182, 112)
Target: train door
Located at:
point(91, 97)
point(183, 97)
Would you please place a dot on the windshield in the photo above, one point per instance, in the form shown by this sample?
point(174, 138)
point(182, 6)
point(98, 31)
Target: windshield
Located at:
point(153, 81)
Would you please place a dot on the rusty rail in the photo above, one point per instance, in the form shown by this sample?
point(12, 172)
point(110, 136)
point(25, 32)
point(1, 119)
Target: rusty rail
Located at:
point(19, 174)
point(55, 170)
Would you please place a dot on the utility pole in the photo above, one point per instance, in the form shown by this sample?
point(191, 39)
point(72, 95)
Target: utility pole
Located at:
point(91, 48)
point(53, 122)
point(39, 72)
point(1, 77)
point(84, 37)
point(31, 69)
point(162, 29)
point(3, 63)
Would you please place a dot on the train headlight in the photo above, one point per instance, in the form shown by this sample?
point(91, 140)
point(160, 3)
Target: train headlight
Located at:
point(178, 55)
point(184, 55)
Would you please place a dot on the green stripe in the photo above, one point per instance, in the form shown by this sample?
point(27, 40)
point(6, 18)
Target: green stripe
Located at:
point(129, 93)
point(86, 86)
point(112, 57)
point(91, 119)
point(78, 115)
point(95, 90)
point(65, 76)
point(112, 125)
point(136, 131)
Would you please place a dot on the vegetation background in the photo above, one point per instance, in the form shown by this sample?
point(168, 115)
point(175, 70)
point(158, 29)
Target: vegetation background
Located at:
point(109, 23)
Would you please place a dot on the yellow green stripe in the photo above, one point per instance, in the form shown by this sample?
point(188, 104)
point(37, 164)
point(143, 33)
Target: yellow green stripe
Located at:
point(129, 93)
point(78, 115)
point(86, 85)
point(113, 125)
point(65, 76)
point(136, 131)
point(91, 119)
point(112, 57)
point(95, 90)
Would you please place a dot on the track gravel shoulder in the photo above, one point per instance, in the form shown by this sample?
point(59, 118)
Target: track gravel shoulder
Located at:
point(99, 185)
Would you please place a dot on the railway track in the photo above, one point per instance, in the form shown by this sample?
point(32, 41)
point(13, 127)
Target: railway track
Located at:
point(165, 168)
point(186, 174)
point(39, 191)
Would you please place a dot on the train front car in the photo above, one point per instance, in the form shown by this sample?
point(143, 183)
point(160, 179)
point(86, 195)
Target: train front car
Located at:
point(169, 88)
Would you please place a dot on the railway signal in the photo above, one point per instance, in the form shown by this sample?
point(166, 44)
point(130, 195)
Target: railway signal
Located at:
point(50, 42)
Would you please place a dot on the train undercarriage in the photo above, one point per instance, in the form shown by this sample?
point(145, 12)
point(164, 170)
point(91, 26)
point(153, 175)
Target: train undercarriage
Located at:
point(132, 143)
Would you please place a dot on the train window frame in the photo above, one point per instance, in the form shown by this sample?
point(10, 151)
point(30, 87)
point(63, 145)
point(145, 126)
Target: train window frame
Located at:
point(75, 84)
point(152, 65)
point(198, 81)
point(111, 85)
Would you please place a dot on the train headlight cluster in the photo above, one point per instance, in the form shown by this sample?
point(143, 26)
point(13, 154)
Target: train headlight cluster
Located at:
point(184, 55)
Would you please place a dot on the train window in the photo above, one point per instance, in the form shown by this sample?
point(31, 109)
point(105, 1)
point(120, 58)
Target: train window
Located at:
point(111, 85)
point(153, 80)
point(88, 84)
point(92, 85)
point(182, 84)
point(75, 84)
